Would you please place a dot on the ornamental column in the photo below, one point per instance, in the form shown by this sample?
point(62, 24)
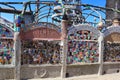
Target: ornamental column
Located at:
point(18, 27)
point(101, 48)
point(17, 52)
point(65, 45)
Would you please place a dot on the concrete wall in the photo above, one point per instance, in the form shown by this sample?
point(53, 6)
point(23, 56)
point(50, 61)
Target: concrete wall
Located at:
point(6, 73)
point(77, 70)
point(40, 71)
point(109, 68)
point(43, 71)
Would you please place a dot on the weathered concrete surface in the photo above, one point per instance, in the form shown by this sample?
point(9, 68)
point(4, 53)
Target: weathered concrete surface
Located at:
point(6, 73)
point(40, 71)
point(109, 68)
point(78, 70)
point(54, 71)
point(87, 77)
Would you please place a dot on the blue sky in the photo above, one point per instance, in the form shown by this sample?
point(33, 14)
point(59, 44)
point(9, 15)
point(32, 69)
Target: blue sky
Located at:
point(95, 2)
point(10, 16)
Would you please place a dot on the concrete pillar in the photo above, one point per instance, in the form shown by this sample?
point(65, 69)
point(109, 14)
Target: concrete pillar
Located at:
point(17, 52)
point(65, 48)
point(101, 48)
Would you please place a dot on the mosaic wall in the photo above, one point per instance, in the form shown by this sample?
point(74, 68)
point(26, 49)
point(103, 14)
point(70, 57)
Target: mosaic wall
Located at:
point(6, 51)
point(82, 47)
point(112, 52)
point(6, 46)
point(40, 52)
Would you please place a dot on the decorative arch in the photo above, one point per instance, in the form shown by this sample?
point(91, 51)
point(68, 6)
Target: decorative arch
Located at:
point(112, 44)
point(43, 42)
point(83, 44)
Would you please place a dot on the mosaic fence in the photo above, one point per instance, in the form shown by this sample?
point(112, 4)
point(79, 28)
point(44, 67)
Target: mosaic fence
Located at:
point(41, 52)
point(83, 47)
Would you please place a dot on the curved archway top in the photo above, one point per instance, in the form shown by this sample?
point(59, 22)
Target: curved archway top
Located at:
point(111, 29)
point(84, 27)
point(43, 24)
point(6, 32)
point(4, 26)
point(6, 23)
